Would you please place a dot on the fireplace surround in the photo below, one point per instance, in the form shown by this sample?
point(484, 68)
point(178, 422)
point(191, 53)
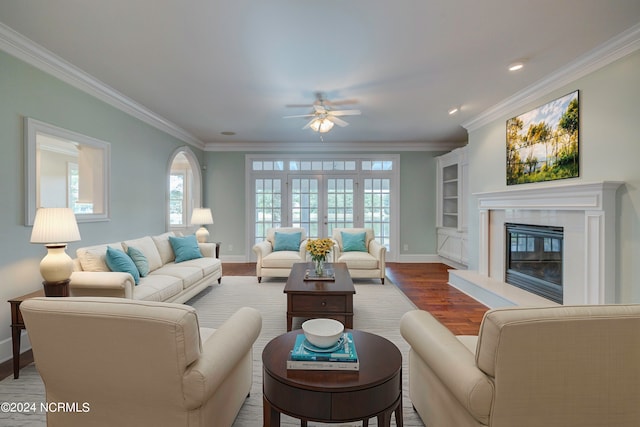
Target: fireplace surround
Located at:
point(587, 214)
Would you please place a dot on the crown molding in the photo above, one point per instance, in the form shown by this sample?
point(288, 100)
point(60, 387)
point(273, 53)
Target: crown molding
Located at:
point(618, 47)
point(303, 147)
point(17, 45)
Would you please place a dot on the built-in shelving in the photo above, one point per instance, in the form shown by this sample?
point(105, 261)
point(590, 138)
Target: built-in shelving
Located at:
point(451, 218)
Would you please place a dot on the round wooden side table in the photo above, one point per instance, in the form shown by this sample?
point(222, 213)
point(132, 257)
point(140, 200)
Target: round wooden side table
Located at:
point(334, 396)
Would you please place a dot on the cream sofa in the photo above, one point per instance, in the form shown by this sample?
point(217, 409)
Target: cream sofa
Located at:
point(368, 263)
point(140, 363)
point(529, 367)
point(278, 263)
point(167, 280)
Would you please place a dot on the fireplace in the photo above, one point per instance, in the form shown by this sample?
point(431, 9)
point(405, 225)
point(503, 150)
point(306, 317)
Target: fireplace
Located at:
point(586, 212)
point(534, 259)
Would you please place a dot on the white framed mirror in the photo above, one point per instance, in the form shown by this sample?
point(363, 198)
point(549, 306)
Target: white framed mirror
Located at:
point(66, 169)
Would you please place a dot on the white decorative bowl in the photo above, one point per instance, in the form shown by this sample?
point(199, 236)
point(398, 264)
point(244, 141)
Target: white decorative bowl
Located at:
point(322, 332)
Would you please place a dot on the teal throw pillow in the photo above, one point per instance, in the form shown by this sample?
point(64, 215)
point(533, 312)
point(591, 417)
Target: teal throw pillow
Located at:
point(119, 261)
point(185, 248)
point(287, 241)
point(354, 242)
point(139, 260)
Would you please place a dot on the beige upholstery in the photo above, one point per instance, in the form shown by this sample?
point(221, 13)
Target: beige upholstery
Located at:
point(529, 367)
point(272, 263)
point(140, 363)
point(167, 280)
point(370, 264)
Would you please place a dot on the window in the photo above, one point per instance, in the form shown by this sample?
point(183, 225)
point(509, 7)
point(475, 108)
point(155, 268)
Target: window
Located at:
point(320, 193)
point(184, 190)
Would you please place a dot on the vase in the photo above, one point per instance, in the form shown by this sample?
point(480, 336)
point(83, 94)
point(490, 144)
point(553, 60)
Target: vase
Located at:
point(319, 266)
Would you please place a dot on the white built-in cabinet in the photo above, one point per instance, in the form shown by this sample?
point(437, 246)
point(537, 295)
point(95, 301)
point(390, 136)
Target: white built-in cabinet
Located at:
point(451, 220)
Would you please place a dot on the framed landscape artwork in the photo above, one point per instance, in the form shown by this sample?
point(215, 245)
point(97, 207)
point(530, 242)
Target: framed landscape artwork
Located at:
point(542, 144)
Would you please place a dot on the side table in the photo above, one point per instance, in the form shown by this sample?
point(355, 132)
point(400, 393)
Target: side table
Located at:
point(17, 325)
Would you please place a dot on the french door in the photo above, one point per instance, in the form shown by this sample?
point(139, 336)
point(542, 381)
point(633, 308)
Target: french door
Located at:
point(320, 203)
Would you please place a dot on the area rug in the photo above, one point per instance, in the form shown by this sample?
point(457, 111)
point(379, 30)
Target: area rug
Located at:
point(377, 309)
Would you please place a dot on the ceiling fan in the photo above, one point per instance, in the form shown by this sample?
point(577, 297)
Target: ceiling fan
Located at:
point(323, 116)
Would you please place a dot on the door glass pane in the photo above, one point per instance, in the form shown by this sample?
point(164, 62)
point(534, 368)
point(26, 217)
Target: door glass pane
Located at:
point(304, 205)
point(268, 205)
point(377, 208)
point(340, 201)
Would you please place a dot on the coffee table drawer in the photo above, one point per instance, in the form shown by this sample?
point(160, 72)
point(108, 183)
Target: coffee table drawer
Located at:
point(326, 303)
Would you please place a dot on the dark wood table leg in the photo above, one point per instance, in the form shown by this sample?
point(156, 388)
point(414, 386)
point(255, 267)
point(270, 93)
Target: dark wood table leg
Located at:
point(270, 416)
point(399, 419)
point(289, 322)
point(16, 333)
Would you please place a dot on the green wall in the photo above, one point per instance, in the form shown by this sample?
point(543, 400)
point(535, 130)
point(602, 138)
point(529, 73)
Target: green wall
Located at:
point(226, 196)
point(609, 151)
point(139, 162)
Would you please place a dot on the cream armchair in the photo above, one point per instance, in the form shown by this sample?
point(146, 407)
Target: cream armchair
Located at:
point(364, 256)
point(529, 367)
point(282, 248)
point(140, 363)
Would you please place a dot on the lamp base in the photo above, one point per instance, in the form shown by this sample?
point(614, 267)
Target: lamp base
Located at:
point(56, 289)
point(202, 235)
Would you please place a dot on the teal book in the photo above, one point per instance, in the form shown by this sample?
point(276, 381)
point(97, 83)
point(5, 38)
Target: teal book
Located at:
point(343, 351)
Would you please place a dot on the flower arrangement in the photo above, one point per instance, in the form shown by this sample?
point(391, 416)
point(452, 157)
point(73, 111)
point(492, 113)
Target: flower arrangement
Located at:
point(319, 248)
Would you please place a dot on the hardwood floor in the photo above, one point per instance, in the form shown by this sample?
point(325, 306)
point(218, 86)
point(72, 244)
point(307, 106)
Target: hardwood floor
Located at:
point(425, 284)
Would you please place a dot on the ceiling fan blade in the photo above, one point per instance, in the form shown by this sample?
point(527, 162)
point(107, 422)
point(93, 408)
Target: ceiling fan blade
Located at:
point(345, 112)
point(320, 108)
point(342, 102)
point(308, 124)
point(338, 121)
point(299, 105)
point(298, 115)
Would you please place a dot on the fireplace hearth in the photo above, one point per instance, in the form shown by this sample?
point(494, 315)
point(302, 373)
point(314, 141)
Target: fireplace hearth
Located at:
point(534, 256)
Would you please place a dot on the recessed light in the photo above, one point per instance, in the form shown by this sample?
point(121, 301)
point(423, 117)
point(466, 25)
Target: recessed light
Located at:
point(227, 133)
point(453, 111)
point(516, 66)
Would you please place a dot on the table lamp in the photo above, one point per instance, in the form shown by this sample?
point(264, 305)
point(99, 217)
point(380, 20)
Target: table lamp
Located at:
point(55, 227)
point(202, 216)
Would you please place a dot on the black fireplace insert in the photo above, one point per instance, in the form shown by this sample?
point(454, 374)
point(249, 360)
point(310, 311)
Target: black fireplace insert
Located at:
point(534, 259)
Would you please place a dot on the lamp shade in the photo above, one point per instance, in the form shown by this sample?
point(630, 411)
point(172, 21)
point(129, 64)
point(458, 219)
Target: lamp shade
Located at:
point(321, 125)
point(55, 225)
point(201, 216)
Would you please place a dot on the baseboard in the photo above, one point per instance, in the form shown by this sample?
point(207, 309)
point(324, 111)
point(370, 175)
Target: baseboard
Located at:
point(6, 347)
point(417, 258)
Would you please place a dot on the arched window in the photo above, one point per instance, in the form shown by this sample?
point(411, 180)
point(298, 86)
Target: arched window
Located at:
point(184, 188)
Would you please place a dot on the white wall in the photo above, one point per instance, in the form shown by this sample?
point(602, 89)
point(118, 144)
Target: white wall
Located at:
point(609, 150)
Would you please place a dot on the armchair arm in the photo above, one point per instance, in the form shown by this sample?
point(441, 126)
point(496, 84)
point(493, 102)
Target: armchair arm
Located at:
point(101, 284)
point(262, 249)
point(221, 352)
point(303, 250)
point(450, 360)
point(378, 252)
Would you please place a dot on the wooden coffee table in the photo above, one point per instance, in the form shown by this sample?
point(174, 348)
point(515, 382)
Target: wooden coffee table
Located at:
point(334, 396)
point(332, 299)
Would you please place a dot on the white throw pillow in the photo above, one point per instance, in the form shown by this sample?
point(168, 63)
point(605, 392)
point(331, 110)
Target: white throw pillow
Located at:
point(148, 248)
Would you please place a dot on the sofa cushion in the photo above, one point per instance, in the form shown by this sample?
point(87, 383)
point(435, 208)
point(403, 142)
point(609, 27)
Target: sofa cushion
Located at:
point(92, 258)
point(157, 287)
point(164, 247)
point(188, 275)
point(281, 259)
point(117, 260)
point(208, 265)
point(359, 260)
point(139, 260)
point(354, 242)
point(287, 241)
point(147, 246)
point(185, 248)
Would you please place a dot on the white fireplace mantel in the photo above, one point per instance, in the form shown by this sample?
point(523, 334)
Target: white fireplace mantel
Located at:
point(587, 211)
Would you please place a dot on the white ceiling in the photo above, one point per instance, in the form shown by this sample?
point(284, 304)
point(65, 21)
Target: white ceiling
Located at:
point(216, 66)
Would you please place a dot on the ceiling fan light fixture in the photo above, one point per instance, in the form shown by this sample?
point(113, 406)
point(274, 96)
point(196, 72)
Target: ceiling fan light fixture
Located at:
point(516, 66)
point(321, 125)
